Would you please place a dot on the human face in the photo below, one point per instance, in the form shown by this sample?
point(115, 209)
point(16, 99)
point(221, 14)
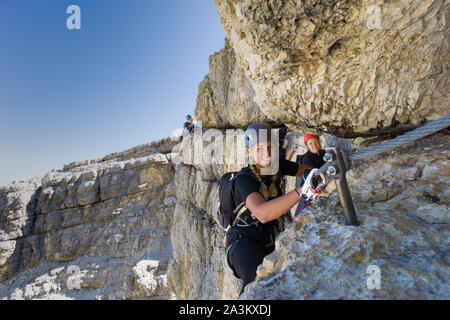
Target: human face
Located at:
point(313, 145)
point(261, 153)
point(190, 120)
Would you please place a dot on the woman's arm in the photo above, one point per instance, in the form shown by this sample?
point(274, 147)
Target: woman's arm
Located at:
point(266, 211)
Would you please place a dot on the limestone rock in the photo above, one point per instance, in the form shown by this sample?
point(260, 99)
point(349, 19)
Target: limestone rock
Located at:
point(142, 223)
point(198, 269)
point(150, 277)
point(89, 231)
point(343, 67)
point(225, 97)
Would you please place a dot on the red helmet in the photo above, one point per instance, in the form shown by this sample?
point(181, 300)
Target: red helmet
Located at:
point(308, 136)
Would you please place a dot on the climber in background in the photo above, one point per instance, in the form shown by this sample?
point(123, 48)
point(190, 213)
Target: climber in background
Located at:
point(313, 157)
point(263, 202)
point(188, 126)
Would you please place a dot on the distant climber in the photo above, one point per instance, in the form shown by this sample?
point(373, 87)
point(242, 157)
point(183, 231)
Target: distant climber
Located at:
point(188, 126)
point(252, 235)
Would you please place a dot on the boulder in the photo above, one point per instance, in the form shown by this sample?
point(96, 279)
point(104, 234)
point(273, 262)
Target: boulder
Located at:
point(347, 68)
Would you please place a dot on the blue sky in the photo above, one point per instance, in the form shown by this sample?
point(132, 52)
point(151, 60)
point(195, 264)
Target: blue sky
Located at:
point(128, 77)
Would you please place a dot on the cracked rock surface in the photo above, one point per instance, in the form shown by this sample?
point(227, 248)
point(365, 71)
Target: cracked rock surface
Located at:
point(343, 67)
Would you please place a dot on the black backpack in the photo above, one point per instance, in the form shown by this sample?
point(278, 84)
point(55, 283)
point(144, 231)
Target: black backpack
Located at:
point(227, 204)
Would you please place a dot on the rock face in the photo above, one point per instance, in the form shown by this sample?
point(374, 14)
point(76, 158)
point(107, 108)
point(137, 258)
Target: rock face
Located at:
point(343, 67)
point(198, 268)
point(142, 223)
point(95, 230)
point(225, 97)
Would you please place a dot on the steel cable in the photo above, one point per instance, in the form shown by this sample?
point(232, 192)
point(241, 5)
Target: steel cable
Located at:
point(418, 133)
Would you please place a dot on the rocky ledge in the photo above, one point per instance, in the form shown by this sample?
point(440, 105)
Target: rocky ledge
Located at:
point(98, 229)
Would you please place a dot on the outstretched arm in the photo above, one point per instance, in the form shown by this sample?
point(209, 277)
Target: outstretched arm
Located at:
point(266, 211)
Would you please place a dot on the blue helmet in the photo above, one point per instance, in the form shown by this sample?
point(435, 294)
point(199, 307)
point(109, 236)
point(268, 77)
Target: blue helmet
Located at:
point(188, 117)
point(256, 133)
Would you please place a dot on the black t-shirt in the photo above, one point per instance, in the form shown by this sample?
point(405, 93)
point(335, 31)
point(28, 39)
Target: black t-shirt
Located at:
point(314, 160)
point(246, 184)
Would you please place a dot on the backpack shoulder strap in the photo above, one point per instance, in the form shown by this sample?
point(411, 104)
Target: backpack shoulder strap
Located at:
point(241, 207)
point(247, 171)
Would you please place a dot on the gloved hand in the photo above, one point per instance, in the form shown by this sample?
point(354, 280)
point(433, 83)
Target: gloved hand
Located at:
point(315, 182)
point(312, 188)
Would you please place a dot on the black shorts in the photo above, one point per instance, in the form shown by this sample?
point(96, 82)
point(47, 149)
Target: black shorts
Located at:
point(243, 257)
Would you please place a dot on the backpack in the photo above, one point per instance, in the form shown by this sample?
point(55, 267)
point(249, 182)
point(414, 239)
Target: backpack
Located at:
point(227, 205)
